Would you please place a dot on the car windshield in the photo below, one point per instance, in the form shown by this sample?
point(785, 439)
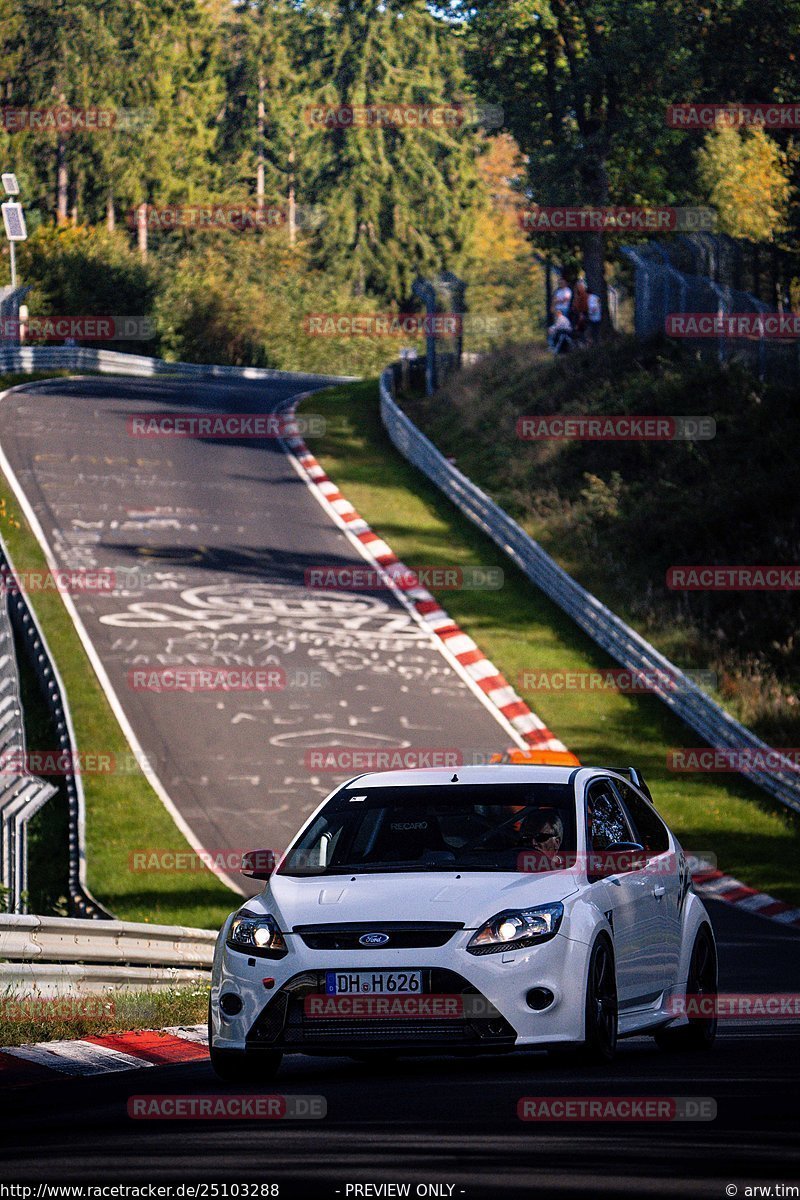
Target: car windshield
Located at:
point(486, 827)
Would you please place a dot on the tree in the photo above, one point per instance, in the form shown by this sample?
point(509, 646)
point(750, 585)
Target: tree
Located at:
point(51, 53)
point(151, 65)
point(747, 178)
point(499, 267)
point(750, 53)
point(263, 131)
point(398, 198)
point(178, 88)
point(584, 85)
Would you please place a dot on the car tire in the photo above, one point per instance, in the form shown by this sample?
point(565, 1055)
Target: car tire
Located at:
point(700, 1032)
point(600, 1041)
point(241, 1066)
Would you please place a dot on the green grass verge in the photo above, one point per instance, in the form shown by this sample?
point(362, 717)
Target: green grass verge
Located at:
point(618, 515)
point(28, 1018)
point(520, 630)
point(122, 811)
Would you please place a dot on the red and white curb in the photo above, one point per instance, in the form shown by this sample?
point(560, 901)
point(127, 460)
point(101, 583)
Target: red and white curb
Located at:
point(497, 694)
point(105, 1054)
point(714, 885)
point(473, 665)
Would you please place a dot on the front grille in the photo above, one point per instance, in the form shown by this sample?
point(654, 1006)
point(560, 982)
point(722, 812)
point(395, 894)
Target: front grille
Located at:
point(404, 935)
point(396, 1032)
point(283, 1022)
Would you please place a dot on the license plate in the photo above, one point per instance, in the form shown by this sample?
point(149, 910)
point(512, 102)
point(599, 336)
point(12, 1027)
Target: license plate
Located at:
point(344, 983)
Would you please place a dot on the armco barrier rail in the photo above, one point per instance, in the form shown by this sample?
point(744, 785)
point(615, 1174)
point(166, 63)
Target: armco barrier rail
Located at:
point(716, 727)
point(21, 794)
point(47, 954)
point(14, 813)
point(114, 362)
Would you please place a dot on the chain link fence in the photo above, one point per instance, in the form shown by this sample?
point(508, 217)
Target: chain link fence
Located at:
point(738, 326)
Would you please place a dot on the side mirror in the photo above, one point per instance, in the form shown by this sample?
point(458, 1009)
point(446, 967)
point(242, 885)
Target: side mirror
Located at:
point(618, 859)
point(258, 864)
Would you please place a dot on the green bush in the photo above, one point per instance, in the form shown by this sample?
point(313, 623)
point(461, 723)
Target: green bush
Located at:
point(619, 514)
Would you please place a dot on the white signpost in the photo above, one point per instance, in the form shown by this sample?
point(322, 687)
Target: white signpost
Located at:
point(13, 221)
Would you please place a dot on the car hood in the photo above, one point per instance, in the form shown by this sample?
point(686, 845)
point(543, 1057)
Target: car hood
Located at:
point(467, 898)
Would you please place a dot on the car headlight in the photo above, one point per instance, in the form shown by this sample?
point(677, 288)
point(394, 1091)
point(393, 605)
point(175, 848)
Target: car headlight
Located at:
point(516, 929)
point(256, 934)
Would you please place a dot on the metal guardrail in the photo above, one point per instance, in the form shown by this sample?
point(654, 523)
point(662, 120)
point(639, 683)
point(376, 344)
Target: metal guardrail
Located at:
point(680, 693)
point(45, 953)
point(14, 871)
point(114, 362)
point(21, 794)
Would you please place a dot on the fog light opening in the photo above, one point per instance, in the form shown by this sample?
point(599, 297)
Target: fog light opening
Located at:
point(539, 998)
point(231, 1004)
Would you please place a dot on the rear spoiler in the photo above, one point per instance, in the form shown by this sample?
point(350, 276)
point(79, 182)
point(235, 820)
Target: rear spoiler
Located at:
point(636, 778)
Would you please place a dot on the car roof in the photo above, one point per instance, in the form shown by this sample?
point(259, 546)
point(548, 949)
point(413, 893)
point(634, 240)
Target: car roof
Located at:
point(494, 774)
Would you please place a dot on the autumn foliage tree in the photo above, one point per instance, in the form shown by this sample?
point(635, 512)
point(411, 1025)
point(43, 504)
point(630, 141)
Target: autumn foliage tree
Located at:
point(747, 178)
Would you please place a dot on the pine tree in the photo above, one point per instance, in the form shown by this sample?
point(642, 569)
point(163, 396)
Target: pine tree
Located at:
point(51, 53)
point(262, 126)
point(398, 199)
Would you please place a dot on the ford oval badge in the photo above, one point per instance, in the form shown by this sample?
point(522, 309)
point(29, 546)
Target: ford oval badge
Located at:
point(373, 939)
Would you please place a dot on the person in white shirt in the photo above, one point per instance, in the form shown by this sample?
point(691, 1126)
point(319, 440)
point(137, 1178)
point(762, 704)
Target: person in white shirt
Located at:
point(558, 335)
point(595, 315)
point(563, 297)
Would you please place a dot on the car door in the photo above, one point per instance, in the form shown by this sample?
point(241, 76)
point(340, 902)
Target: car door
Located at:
point(667, 879)
point(626, 897)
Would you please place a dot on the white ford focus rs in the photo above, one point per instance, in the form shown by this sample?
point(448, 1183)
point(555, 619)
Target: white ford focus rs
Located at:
point(492, 909)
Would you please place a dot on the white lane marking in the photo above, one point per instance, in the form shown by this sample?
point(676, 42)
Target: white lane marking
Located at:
point(77, 1058)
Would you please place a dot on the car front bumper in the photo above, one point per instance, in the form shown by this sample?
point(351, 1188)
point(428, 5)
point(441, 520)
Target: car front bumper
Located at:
point(282, 998)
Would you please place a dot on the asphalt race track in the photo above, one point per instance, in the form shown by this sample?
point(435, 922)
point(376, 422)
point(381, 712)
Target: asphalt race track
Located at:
point(223, 532)
point(228, 530)
point(454, 1121)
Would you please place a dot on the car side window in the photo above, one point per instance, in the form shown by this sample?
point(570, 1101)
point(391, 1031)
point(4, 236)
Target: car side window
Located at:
point(650, 830)
point(606, 819)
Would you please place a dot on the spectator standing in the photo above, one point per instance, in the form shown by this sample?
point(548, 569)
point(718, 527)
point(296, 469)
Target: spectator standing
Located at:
point(559, 335)
point(594, 312)
point(562, 301)
point(579, 310)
